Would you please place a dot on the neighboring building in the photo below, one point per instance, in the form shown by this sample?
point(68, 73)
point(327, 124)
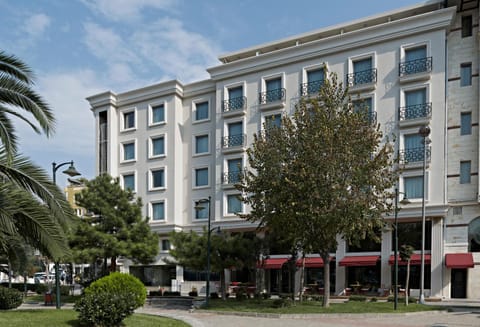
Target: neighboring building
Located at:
point(73, 188)
point(174, 144)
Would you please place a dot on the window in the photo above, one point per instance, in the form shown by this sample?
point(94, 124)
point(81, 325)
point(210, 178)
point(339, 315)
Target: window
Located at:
point(465, 123)
point(466, 74)
point(363, 104)
point(201, 144)
point(362, 72)
point(274, 90)
point(165, 245)
point(129, 120)
point(416, 61)
point(235, 134)
point(414, 151)
point(315, 78)
point(466, 26)
point(415, 104)
point(234, 204)
point(201, 212)
point(129, 182)
point(158, 114)
point(413, 187)
point(465, 172)
point(236, 92)
point(235, 101)
point(158, 146)
point(158, 211)
point(158, 178)
point(201, 111)
point(129, 151)
point(234, 167)
point(273, 121)
point(415, 53)
point(201, 177)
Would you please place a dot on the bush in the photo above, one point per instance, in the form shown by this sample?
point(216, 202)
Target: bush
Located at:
point(64, 290)
point(41, 288)
point(214, 295)
point(193, 293)
point(20, 286)
point(169, 293)
point(155, 293)
point(373, 299)
point(401, 299)
point(109, 300)
point(357, 298)
point(10, 298)
point(282, 303)
point(241, 294)
point(266, 296)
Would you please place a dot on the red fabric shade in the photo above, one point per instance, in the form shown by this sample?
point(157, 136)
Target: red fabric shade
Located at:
point(359, 261)
point(316, 262)
point(415, 260)
point(272, 263)
point(459, 260)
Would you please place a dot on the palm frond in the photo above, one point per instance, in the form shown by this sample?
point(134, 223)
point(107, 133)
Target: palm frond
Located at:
point(13, 66)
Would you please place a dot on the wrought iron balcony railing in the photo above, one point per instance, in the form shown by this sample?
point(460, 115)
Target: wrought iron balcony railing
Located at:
point(272, 96)
point(362, 77)
point(232, 177)
point(414, 155)
point(233, 104)
point(311, 87)
point(423, 110)
point(233, 141)
point(423, 65)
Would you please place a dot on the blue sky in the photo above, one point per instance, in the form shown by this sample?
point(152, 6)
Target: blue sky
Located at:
point(78, 48)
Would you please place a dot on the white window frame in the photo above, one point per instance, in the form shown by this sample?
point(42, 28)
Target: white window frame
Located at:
point(232, 157)
point(150, 209)
point(194, 144)
point(125, 111)
point(364, 96)
point(264, 79)
point(150, 146)
point(415, 174)
point(227, 122)
point(122, 154)
point(226, 87)
point(409, 46)
point(225, 202)
point(194, 110)
point(309, 68)
point(162, 250)
point(194, 211)
point(131, 172)
point(263, 119)
point(150, 113)
point(363, 56)
point(415, 87)
point(194, 177)
point(150, 179)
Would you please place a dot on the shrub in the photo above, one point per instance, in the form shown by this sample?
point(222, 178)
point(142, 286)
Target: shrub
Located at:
point(357, 298)
point(155, 293)
point(266, 296)
point(169, 293)
point(64, 290)
point(282, 303)
point(41, 288)
point(193, 293)
point(373, 299)
point(20, 286)
point(241, 294)
point(401, 299)
point(214, 295)
point(109, 300)
point(10, 298)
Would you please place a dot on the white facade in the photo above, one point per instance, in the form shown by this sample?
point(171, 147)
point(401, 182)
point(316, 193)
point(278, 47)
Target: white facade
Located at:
point(204, 133)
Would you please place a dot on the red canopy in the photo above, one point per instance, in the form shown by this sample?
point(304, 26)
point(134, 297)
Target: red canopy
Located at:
point(459, 260)
point(415, 259)
point(359, 260)
point(314, 262)
point(272, 263)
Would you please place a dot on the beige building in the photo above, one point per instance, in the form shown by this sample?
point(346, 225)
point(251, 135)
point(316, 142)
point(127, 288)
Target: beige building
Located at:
point(175, 144)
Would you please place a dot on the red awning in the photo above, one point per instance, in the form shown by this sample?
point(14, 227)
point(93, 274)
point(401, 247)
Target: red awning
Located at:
point(359, 260)
point(459, 260)
point(272, 263)
point(415, 260)
point(315, 262)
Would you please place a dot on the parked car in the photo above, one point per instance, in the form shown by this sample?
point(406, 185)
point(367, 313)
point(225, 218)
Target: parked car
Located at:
point(41, 277)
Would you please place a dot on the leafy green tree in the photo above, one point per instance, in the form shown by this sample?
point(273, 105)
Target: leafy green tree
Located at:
point(114, 226)
point(30, 205)
point(406, 252)
point(226, 250)
point(326, 171)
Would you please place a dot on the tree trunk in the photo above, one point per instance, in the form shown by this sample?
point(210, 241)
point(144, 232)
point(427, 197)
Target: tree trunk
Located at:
point(407, 281)
point(113, 264)
point(302, 278)
point(223, 284)
point(326, 279)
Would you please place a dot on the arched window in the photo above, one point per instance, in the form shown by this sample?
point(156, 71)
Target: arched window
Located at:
point(474, 235)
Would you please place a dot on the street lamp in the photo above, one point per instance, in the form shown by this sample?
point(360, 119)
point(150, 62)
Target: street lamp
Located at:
point(424, 131)
point(395, 265)
point(199, 206)
point(70, 171)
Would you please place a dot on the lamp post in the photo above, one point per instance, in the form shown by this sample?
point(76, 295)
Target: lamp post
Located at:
point(424, 131)
point(395, 260)
point(199, 206)
point(70, 171)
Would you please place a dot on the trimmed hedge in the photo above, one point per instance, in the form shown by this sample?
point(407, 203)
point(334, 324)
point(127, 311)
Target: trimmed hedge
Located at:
point(111, 299)
point(10, 298)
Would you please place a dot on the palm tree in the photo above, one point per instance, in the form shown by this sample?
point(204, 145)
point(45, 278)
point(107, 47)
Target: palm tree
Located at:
point(30, 205)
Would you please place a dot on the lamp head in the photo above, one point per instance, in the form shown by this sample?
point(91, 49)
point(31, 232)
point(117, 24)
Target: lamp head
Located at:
point(71, 171)
point(424, 131)
point(200, 204)
point(405, 200)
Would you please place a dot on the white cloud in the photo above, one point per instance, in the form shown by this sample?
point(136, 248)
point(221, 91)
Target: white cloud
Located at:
point(36, 25)
point(119, 10)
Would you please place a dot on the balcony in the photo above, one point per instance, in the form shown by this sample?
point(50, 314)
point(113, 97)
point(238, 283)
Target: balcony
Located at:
point(311, 87)
point(235, 105)
point(363, 80)
point(272, 99)
point(415, 70)
point(414, 155)
point(233, 142)
point(418, 113)
point(232, 177)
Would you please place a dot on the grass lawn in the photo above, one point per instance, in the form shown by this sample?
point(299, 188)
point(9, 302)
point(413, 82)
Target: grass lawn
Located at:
point(265, 306)
point(66, 317)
